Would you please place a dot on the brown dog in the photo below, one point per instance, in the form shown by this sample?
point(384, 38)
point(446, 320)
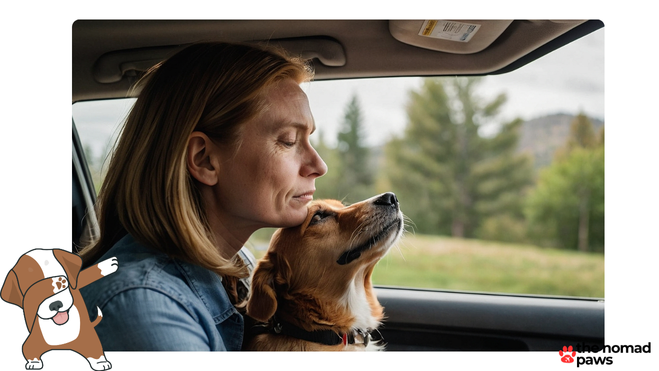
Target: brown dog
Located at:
point(45, 284)
point(313, 290)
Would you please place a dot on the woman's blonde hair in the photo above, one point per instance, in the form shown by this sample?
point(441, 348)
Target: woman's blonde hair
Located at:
point(148, 192)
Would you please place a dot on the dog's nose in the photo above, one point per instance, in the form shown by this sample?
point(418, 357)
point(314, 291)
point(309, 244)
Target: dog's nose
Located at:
point(387, 199)
point(55, 306)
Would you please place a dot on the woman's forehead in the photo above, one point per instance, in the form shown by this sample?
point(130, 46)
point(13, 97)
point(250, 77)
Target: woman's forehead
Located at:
point(287, 105)
point(286, 90)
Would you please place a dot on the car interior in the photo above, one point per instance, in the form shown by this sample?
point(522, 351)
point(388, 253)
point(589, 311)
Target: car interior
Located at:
point(110, 55)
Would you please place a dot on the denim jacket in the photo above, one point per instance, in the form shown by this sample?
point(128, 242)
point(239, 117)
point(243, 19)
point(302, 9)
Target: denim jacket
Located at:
point(154, 302)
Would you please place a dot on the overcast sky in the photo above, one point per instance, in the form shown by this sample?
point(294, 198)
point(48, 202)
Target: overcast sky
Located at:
point(568, 80)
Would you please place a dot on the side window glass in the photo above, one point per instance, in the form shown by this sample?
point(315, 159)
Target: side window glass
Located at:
point(502, 177)
point(98, 124)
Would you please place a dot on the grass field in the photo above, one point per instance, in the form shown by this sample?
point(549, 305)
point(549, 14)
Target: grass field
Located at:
point(473, 265)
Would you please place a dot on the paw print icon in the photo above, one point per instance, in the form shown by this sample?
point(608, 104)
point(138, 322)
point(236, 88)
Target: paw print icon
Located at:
point(567, 354)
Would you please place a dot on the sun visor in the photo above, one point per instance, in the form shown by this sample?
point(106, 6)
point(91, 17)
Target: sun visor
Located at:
point(449, 36)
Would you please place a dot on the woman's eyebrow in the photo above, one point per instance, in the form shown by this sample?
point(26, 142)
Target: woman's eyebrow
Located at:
point(299, 125)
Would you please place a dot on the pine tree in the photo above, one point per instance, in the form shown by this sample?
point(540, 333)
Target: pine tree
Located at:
point(582, 135)
point(356, 177)
point(450, 176)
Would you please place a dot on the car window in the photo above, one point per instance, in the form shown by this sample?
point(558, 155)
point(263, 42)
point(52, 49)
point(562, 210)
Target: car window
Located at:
point(98, 124)
point(501, 178)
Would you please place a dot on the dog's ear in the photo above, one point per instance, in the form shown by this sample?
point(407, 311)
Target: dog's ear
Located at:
point(71, 264)
point(262, 302)
point(11, 293)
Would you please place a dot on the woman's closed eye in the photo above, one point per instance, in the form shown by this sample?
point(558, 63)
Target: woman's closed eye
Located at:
point(288, 139)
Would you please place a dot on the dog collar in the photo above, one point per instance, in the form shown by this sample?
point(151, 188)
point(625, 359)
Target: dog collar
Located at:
point(326, 337)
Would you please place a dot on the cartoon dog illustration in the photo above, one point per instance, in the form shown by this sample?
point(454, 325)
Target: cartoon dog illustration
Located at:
point(46, 284)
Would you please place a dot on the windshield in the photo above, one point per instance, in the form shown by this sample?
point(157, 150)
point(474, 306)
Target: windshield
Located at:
point(501, 178)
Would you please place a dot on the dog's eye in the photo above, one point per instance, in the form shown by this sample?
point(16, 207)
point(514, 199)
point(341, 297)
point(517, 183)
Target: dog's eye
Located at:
point(318, 217)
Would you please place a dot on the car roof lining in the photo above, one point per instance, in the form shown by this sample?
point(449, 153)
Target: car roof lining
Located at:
point(109, 56)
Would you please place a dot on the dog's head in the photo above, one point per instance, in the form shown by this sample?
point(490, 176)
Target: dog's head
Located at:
point(318, 267)
point(40, 283)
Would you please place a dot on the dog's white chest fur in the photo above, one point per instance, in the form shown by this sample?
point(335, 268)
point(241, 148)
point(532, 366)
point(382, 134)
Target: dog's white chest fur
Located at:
point(358, 305)
point(55, 334)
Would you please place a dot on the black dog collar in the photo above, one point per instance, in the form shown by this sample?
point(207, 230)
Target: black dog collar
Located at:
point(326, 337)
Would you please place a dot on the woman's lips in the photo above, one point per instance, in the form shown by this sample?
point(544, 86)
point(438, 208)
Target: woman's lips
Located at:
point(307, 196)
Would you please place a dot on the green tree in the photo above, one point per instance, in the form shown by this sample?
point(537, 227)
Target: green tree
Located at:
point(566, 209)
point(356, 176)
point(450, 176)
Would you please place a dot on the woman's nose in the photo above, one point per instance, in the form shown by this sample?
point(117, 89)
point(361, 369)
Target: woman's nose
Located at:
point(315, 166)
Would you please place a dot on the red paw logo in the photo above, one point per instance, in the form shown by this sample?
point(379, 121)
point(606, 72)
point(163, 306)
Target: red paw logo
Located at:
point(567, 354)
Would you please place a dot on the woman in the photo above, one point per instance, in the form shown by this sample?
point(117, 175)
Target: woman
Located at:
point(216, 147)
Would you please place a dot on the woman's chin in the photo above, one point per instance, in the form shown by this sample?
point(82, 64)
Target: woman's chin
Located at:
point(294, 218)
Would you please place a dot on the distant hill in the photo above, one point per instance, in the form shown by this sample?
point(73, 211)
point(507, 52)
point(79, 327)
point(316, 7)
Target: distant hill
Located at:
point(542, 136)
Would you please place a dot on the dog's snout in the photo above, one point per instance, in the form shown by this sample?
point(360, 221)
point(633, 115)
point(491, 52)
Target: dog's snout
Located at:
point(387, 199)
point(55, 306)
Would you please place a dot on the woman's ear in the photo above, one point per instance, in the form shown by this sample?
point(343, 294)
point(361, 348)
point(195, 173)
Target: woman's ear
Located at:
point(202, 159)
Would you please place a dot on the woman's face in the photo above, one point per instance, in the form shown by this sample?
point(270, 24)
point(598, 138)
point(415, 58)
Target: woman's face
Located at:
point(270, 179)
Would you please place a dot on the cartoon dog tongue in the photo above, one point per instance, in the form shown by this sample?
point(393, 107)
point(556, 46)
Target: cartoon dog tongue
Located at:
point(61, 318)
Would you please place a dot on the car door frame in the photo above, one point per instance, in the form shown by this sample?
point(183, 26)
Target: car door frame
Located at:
point(419, 319)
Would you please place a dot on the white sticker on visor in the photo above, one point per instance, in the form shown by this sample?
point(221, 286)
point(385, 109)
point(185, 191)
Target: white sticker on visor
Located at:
point(449, 30)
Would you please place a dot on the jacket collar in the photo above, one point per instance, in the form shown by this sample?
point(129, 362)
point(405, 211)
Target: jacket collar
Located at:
point(207, 285)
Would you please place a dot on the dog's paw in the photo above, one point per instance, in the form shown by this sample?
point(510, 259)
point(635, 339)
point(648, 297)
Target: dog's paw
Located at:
point(99, 364)
point(60, 283)
point(108, 266)
point(34, 364)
